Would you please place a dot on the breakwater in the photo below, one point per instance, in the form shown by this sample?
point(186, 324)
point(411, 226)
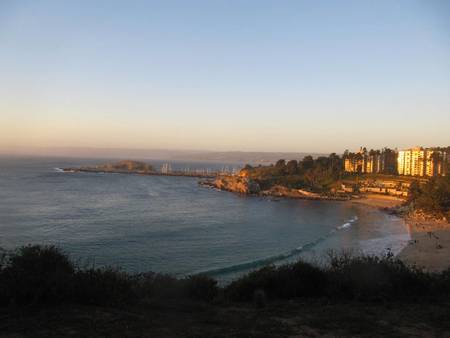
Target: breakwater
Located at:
point(197, 174)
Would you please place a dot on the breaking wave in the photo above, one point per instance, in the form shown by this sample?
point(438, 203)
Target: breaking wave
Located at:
point(250, 265)
point(348, 224)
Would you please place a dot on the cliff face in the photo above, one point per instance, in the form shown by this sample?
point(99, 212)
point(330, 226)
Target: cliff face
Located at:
point(248, 186)
point(242, 185)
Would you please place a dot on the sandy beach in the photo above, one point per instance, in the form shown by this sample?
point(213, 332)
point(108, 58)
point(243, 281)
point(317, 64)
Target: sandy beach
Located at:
point(379, 201)
point(429, 247)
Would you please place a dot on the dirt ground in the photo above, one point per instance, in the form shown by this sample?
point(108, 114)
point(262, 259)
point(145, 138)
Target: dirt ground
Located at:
point(282, 319)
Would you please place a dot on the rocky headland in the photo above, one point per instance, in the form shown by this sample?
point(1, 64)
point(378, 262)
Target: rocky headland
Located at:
point(248, 186)
point(125, 166)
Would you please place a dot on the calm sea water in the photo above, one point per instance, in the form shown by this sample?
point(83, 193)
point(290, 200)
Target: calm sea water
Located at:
point(173, 225)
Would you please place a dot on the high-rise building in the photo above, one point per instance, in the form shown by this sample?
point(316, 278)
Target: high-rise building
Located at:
point(421, 162)
point(411, 162)
point(416, 161)
point(401, 162)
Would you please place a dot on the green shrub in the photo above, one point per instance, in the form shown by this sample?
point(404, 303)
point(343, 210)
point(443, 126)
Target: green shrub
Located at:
point(36, 274)
point(287, 281)
point(43, 275)
point(347, 277)
point(201, 287)
point(259, 299)
point(433, 196)
point(105, 286)
point(375, 278)
point(155, 285)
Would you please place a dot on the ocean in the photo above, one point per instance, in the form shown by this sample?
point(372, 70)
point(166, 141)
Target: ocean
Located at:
point(173, 225)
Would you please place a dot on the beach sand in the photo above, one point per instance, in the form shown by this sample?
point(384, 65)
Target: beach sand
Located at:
point(379, 201)
point(429, 247)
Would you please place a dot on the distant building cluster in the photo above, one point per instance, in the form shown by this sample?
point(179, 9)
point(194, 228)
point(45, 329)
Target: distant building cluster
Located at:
point(371, 162)
point(410, 162)
point(422, 162)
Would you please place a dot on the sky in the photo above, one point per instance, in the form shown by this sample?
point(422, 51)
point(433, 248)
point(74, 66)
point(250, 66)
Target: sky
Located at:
point(318, 76)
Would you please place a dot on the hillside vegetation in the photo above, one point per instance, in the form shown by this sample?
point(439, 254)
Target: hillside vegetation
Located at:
point(433, 197)
point(319, 175)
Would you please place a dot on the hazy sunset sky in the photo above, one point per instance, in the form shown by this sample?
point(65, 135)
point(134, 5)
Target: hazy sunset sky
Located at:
point(316, 76)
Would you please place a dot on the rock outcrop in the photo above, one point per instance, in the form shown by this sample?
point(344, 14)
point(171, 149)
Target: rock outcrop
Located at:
point(281, 191)
point(242, 185)
point(125, 166)
point(248, 186)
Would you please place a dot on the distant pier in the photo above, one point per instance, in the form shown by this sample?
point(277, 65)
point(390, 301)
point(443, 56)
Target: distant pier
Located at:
point(183, 173)
point(141, 168)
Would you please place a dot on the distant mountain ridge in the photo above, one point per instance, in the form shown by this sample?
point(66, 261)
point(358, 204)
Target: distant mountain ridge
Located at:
point(239, 157)
point(243, 157)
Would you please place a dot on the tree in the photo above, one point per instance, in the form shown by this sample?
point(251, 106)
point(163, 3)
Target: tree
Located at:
point(433, 196)
point(292, 167)
point(281, 164)
point(335, 163)
point(307, 162)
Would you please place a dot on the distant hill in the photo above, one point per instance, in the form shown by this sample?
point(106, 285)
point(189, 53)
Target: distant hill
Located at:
point(241, 157)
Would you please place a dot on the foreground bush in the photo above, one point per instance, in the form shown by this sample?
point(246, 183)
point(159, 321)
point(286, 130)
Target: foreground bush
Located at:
point(202, 287)
point(102, 286)
point(44, 275)
point(287, 281)
point(347, 277)
point(36, 274)
point(380, 278)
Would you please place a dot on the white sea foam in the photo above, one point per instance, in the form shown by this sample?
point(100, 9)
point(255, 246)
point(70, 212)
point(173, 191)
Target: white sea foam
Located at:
point(353, 219)
point(344, 226)
point(348, 223)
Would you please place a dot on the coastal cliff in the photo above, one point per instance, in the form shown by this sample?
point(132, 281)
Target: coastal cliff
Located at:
point(247, 186)
point(241, 185)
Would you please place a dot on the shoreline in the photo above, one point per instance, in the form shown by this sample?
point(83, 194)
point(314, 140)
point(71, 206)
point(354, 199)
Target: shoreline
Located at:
point(429, 246)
